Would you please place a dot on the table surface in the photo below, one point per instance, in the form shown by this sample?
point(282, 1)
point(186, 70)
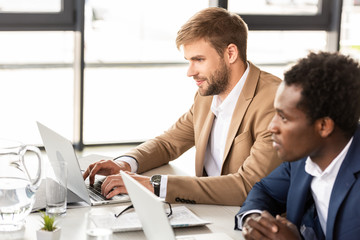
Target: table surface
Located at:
point(73, 224)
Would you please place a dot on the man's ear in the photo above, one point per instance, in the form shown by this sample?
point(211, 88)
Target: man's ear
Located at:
point(232, 52)
point(325, 126)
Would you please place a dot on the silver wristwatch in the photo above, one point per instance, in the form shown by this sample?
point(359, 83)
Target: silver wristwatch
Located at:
point(155, 181)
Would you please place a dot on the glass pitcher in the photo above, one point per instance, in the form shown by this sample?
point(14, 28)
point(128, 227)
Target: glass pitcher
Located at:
point(19, 180)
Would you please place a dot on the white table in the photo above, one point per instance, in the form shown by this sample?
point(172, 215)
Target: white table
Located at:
point(73, 224)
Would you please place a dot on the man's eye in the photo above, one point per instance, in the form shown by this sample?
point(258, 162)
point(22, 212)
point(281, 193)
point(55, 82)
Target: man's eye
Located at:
point(283, 118)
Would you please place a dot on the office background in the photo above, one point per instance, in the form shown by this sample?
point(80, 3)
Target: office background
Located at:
point(107, 72)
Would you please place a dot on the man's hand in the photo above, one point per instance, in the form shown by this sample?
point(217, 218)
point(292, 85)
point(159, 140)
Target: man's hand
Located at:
point(105, 168)
point(265, 226)
point(114, 184)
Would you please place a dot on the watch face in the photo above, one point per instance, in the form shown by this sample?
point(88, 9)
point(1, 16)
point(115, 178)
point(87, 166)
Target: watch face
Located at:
point(156, 179)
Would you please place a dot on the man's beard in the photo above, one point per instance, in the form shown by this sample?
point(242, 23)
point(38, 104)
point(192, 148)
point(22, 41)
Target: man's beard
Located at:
point(218, 81)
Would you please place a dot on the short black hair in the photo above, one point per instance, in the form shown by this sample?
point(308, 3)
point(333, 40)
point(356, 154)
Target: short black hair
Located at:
point(330, 85)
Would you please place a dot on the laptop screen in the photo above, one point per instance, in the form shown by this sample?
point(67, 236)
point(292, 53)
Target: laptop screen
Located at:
point(150, 210)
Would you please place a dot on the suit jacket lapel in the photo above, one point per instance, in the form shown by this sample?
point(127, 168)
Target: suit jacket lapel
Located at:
point(300, 204)
point(299, 194)
point(343, 183)
point(242, 104)
point(203, 142)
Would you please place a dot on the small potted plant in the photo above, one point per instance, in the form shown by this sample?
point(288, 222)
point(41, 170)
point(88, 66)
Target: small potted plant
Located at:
point(49, 230)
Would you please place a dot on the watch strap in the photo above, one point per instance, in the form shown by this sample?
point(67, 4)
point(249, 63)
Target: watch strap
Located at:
point(157, 189)
point(155, 181)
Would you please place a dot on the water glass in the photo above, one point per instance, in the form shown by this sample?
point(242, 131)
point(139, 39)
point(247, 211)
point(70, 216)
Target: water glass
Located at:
point(56, 187)
point(94, 232)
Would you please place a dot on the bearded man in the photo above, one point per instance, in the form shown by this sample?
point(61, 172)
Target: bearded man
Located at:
point(227, 122)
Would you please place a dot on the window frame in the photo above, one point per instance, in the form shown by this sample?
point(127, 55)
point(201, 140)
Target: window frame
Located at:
point(320, 21)
point(44, 21)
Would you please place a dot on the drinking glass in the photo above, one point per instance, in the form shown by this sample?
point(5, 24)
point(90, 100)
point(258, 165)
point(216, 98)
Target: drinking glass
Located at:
point(56, 187)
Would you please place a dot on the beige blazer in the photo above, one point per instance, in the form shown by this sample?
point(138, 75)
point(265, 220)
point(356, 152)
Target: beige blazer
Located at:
point(248, 157)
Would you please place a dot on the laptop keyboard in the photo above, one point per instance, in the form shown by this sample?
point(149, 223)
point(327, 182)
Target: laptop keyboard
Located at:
point(95, 191)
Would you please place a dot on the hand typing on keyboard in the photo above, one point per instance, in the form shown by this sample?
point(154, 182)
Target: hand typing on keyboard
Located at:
point(105, 168)
point(113, 184)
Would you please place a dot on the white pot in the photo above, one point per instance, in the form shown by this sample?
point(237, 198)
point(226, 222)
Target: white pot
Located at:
point(46, 235)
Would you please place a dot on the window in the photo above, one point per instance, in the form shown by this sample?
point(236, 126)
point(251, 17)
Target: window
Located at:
point(30, 6)
point(37, 14)
point(134, 84)
point(350, 35)
point(135, 78)
point(283, 14)
point(36, 67)
point(275, 7)
point(36, 78)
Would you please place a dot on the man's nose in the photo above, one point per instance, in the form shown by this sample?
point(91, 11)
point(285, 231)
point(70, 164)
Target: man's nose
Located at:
point(272, 127)
point(191, 70)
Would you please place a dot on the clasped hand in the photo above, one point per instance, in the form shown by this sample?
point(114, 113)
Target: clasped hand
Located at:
point(265, 226)
point(113, 183)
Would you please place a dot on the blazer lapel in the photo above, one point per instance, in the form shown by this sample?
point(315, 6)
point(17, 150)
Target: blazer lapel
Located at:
point(203, 142)
point(300, 204)
point(299, 194)
point(242, 104)
point(343, 183)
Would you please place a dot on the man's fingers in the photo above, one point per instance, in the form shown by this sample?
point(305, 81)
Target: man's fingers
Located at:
point(116, 191)
point(103, 167)
point(266, 226)
point(86, 173)
point(112, 182)
point(89, 170)
point(282, 219)
point(260, 225)
point(93, 171)
point(270, 222)
point(254, 231)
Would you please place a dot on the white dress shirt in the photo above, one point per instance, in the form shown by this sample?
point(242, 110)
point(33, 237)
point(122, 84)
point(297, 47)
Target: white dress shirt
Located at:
point(323, 182)
point(223, 112)
point(215, 150)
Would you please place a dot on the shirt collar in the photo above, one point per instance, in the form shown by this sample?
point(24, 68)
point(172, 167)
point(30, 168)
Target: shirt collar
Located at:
point(227, 106)
point(314, 170)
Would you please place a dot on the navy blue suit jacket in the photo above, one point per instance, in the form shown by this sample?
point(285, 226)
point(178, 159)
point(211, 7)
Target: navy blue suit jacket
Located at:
point(287, 189)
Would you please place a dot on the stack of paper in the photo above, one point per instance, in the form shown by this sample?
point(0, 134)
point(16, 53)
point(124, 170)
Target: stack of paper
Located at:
point(128, 221)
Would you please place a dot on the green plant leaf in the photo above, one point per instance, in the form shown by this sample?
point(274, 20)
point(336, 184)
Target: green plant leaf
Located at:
point(48, 222)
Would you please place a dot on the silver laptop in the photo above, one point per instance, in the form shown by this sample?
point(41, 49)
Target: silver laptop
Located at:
point(151, 213)
point(58, 147)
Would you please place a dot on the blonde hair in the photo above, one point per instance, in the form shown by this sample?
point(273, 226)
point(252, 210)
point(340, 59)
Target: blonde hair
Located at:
point(217, 26)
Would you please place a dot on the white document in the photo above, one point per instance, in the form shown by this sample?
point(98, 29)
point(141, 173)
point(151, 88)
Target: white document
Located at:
point(128, 221)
